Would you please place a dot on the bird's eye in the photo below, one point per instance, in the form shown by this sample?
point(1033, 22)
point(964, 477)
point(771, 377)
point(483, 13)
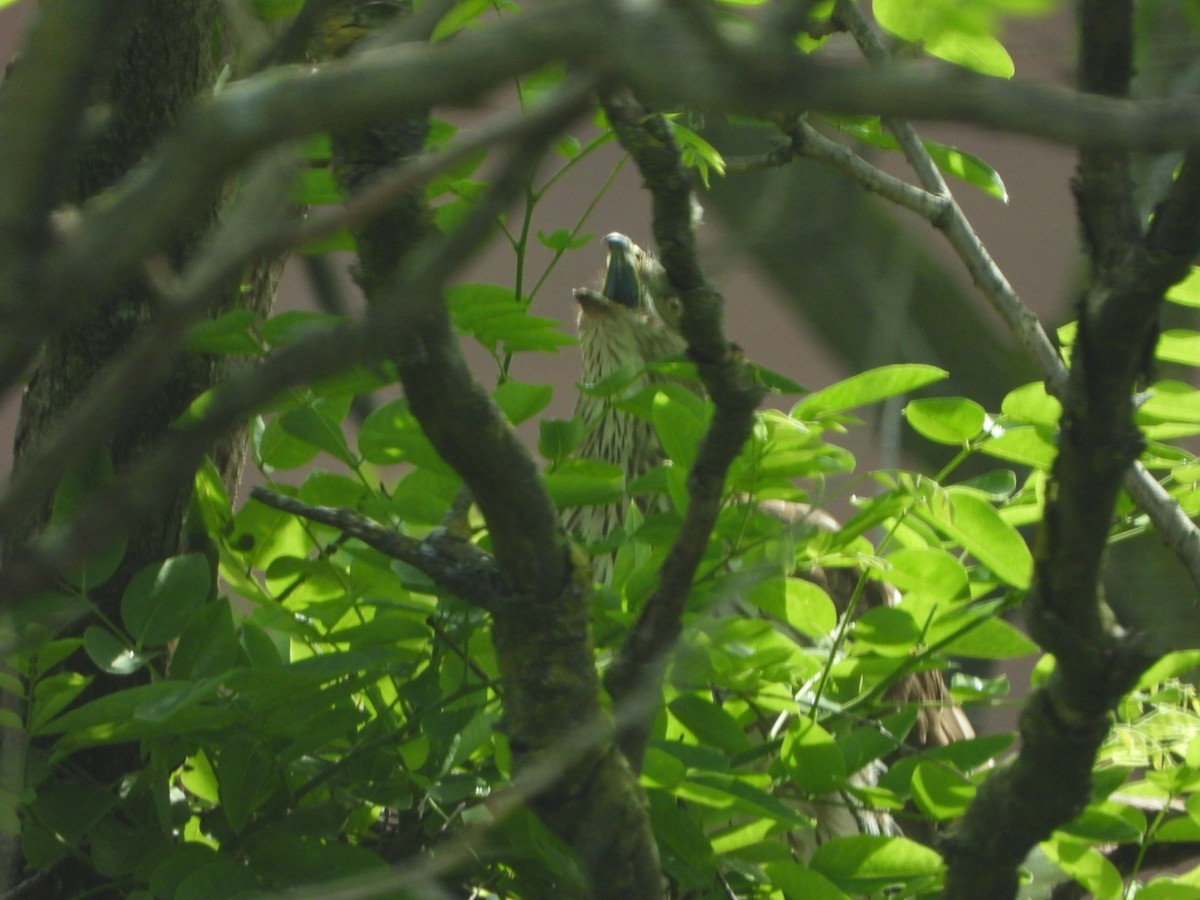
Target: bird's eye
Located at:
point(672, 311)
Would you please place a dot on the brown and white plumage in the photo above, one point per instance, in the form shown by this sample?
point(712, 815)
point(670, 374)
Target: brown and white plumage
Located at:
point(620, 327)
point(633, 322)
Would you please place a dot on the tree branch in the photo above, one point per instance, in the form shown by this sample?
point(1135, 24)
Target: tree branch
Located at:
point(450, 561)
point(656, 49)
point(642, 659)
point(45, 96)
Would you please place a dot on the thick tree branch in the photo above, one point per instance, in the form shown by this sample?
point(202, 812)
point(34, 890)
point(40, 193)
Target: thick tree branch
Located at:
point(1104, 186)
point(543, 642)
point(140, 490)
point(657, 50)
point(643, 656)
point(248, 234)
point(41, 118)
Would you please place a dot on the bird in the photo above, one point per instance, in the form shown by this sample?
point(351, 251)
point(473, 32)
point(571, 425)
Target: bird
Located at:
point(630, 324)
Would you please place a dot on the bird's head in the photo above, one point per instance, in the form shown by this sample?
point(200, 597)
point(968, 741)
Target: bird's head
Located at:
point(634, 317)
point(634, 283)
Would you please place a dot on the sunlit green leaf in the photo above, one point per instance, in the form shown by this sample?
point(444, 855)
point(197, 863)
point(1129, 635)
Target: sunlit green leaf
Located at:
point(1030, 403)
point(815, 763)
point(1187, 292)
point(946, 420)
point(1179, 345)
point(1086, 865)
point(975, 524)
point(868, 387)
point(1030, 445)
point(940, 792)
point(865, 863)
point(709, 723)
point(799, 603)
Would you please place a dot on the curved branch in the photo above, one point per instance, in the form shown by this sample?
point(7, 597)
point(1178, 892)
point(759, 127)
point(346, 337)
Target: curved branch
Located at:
point(642, 659)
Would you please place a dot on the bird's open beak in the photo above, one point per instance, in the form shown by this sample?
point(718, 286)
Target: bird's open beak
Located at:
point(620, 279)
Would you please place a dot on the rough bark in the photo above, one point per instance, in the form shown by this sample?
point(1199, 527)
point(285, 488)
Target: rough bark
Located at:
point(165, 59)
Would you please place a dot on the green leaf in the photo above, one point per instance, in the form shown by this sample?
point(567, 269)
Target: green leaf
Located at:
point(940, 792)
point(1085, 864)
point(384, 630)
point(814, 761)
point(799, 882)
point(709, 723)
point(1187, 292)
point(520, 401)
point(775, 382)
point(868, 387)
point(929, 571)
point(278, 450)
point(679, 429)
point(559, 438)
point(267, 10)
point(865, 863)
point(1029, 445)
point(208, 645)
point(491, 314)
point(181, 861)
point(1103, 823)
point(967, 167)
point(1170, 666)
point(461, 14)
point(887, 630)
point(228, 333)
point(289, 327)
point(1030, 403)
point(957, 32)
point(992, 638)
point(585, 482)
point(162, 596)
point(224, 878)
point(1170, 401)
point(799, 603)
point(998, 485)
point(687, 854)
point(392, 435)
point(560, 240)
point(245, 775)
point(975, 524)
point(697, 153)
point(311, 425)
point(110, 653)
point(946, 420)
point(83, 483)
point(53, 694)
point(316, 187)
point(1179, 345)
